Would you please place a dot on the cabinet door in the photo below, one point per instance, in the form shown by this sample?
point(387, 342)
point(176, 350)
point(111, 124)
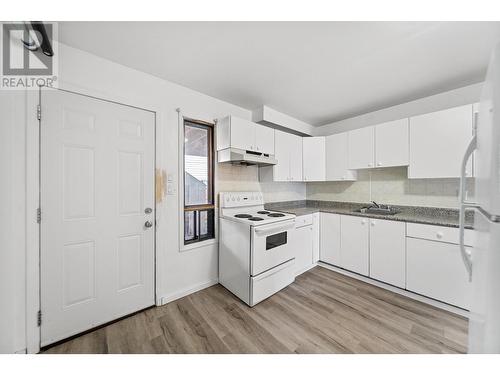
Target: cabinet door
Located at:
point(242, 134)
point(316, 228)
point(329, 234)
point(435, 269)
point(388, 251)
point(281, 171)
point(264, 139)
point(295, 152)
point(354, 244)
point(438, 141)
point(337, 157)
point(392, 144)
point(313, 153)
point(361, 148)
point(303, 245)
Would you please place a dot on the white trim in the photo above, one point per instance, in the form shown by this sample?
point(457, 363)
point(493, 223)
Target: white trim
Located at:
point(196, 245)
point(33, 303)
point(403, 292)
point(180, 187)
point(196, 288)
point(32, 227)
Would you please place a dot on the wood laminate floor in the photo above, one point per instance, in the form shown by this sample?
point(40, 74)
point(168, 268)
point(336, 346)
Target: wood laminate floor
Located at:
point(321, 312)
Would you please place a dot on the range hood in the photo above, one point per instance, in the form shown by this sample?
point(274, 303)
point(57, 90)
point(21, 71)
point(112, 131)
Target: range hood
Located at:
point(245, 157)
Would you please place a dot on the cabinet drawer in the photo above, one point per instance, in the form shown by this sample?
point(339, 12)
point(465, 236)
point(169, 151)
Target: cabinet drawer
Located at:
point(438, 233)
point(303, 220)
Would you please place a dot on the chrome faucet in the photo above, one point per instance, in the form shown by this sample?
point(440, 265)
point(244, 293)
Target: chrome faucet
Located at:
point(375, 204)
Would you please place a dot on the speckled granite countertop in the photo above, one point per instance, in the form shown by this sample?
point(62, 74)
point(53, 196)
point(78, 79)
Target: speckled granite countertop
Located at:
point(412, 214)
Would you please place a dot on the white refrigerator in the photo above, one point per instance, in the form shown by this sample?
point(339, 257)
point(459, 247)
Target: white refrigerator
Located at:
point(483, 263)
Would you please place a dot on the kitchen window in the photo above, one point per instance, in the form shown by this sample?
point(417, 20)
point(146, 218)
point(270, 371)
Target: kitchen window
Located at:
point(199, 212)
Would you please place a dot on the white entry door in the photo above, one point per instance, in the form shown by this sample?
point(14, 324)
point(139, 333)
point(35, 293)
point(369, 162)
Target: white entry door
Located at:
point(97, 193)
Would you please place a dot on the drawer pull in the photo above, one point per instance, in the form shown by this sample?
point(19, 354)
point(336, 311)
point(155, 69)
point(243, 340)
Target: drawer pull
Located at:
point(439, 235)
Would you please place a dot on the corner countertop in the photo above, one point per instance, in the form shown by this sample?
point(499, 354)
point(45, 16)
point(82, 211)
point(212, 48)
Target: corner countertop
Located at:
point(446, 217)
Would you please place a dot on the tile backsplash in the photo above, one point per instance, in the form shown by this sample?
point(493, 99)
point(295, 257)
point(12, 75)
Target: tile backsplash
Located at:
point(388, 186)
point(391, 186)
point(246, 178)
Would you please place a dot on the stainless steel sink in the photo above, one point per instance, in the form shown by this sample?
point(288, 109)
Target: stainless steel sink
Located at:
point(387, 210)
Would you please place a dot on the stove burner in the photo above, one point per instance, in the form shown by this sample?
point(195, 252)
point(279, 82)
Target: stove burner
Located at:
point(263, 212)
point(276, 215)
point(256, 219)
point(243, 216)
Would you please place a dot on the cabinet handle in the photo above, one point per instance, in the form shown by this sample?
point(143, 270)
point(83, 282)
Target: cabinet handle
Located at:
point(369, 164)
point(363, 222)
point(439, 235)
point(379, 164)
point(372, 224)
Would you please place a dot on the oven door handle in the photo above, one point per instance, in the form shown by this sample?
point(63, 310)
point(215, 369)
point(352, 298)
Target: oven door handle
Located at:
point(275, 228)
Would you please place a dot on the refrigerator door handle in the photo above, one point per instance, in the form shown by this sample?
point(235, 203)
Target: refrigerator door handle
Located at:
point(464, 204)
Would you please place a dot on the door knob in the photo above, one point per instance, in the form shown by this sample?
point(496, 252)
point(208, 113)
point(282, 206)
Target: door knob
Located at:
point(148, 224)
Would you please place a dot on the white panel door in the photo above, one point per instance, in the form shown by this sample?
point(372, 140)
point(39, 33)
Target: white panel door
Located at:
point(242, 134)
point(438, 141)
point(361, 148)
point(295, 149)
point(435, 269)
point(392, 143)
point(388, 251)
point(97, 179)
point(264, 139)
point(354, 244)
point(314, 158)
point(337, 158)
point(329, 233)
point(281, 171)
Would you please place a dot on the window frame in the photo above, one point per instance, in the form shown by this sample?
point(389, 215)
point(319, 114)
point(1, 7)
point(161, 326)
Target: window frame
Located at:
point(198, 208)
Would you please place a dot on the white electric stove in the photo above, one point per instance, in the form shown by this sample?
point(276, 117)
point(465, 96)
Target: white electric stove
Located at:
point(256, 258)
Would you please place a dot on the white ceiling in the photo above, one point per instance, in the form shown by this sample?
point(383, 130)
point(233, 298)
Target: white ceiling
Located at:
point(318, 72)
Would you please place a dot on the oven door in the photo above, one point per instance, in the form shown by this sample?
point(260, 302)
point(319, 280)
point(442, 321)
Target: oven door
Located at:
point(271, 246)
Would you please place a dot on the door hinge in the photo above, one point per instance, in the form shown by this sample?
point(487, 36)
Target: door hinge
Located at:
point(39, 112)
point(39, 318)
point(38, 215)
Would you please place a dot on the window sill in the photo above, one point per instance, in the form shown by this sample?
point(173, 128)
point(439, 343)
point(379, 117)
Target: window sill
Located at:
point(196, 245)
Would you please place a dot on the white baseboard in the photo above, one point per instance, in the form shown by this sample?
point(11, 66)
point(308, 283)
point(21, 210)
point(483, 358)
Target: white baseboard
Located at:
point(403, 292)
point(174, 296)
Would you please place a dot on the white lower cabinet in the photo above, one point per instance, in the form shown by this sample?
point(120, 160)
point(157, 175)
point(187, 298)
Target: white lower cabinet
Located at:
point(388, 251)
point(304, 247)
point(435, 269)
point(316, 224)
point(354, 244)
point(329, 243)
point(304, 243)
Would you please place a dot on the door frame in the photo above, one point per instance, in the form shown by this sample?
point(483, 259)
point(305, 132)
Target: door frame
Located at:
point(33, 201)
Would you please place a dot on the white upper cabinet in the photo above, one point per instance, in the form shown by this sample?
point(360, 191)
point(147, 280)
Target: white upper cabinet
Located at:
point(288, 153)
point(264, 139)
point(438, 142)
point(361, 148)
point(295, 148)
point(337, 158)
point(392, 144)
point(238, 133)
point(313, 154)
point(382, 145)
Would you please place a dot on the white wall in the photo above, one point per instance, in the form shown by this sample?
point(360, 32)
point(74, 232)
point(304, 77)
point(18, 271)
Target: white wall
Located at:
point(448, 99)
point(12, 222)
point(179, 272)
